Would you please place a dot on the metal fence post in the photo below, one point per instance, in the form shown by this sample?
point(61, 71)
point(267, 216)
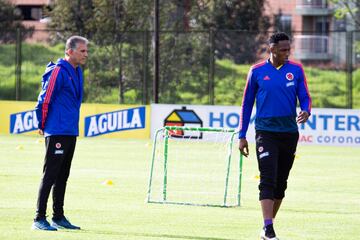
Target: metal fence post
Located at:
point(349, 67)
point(18, 61)
point(156, 52)
point(211, 67)
point(145, 99)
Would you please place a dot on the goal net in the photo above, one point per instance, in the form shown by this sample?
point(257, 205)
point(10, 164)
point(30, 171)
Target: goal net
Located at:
point(195, 166)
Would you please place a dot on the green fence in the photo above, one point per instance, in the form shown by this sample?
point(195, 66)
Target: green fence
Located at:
point(196, 67)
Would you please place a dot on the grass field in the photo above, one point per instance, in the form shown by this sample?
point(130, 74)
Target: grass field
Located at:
point(323, 197)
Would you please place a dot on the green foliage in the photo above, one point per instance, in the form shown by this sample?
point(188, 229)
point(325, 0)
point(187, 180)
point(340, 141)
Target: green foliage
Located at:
point(327, 87)
point(184, 59)
point(184, 67)
point(349, 8)
point(77, 21)
point(34, 60)
point(105, 23)
point(249, 25)
point(356, 89)
point(7, 82)
point(230, 82)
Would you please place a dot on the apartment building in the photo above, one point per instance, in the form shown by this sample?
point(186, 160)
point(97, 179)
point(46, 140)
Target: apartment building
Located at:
point(317, 36)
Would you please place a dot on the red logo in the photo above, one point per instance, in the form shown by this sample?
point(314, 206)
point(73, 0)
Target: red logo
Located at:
point(266, 78)
point(58, 145)
point(260, 149)
point(290, 76)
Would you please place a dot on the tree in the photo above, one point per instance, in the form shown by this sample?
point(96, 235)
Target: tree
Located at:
point(115, 27)
point(120, 31)
point(108, 24)
point(193, 31)
point(10, 20)
point(79, 14)
point(348, 8)
point(241, 26)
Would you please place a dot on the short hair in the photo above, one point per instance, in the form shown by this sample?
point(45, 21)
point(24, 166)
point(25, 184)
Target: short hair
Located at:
point(71, 42)
point(277, 37)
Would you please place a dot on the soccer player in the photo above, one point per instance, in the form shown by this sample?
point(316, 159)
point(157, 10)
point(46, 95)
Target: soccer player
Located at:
point(276, 84)
point(58, 111)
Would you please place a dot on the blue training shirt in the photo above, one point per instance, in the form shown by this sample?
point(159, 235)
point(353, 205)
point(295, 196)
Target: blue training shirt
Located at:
point(276, 92)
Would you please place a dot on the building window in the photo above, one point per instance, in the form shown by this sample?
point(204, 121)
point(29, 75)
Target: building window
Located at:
point(322, 25)
point(30, 12)
point(283, 23)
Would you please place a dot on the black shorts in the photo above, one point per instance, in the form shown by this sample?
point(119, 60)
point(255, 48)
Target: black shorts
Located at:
point(275, 153)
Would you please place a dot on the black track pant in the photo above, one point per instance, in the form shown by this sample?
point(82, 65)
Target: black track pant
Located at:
point(56, 170)
point(275, 153)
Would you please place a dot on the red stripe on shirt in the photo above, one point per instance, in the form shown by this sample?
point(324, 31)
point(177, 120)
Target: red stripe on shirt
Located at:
point(48, 94)
point(259, 64)
point(245, 89)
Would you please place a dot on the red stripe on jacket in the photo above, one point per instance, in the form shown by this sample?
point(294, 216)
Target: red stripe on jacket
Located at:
point(48, 95)
point(245, 90)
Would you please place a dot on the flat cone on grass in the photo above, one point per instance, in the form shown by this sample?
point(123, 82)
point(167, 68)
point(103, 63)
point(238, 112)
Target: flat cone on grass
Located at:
point(20, 147)
point(108, 182)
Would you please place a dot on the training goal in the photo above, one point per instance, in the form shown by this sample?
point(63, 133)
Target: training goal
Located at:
point(195, 166)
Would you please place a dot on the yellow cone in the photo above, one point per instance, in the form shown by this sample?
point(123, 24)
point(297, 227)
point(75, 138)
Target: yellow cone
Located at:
point(108, 182)
point(19, 147)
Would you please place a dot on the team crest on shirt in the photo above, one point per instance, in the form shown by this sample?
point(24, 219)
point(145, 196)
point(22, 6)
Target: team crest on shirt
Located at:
point(58, 145)
point(260, 149)
point(289, 76)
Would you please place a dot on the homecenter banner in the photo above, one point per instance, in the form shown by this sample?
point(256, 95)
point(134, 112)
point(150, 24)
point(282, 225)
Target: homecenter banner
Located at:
point(107, 120)
point(332, 127)
point(325, 126)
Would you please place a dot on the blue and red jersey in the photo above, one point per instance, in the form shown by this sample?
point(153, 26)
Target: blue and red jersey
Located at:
point(58, 106)
point(276, 91)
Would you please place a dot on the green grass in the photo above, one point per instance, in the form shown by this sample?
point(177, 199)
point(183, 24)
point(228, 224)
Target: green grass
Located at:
point(323, 197)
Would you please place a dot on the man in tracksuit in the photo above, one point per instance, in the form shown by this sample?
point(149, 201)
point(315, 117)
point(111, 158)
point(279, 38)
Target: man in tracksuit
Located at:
point(276, 84)
point(58, 111)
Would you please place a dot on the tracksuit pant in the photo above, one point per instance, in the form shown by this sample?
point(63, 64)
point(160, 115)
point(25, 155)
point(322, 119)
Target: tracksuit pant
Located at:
point(275, 153)
point(56, 170)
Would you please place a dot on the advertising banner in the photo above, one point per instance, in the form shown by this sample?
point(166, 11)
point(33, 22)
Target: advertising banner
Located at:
point(106, 120)
point(325, 126)
point(328, 126)
point(193, 116)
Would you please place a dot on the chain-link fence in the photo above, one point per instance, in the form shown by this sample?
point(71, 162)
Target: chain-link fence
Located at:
point(196, 67)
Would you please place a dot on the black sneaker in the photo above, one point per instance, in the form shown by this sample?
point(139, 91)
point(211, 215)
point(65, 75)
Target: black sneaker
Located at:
point(63, 223)
point(268, 233)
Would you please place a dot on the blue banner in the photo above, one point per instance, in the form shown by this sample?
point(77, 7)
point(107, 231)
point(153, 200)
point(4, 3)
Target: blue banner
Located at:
point(105, 123)
point(23, 122)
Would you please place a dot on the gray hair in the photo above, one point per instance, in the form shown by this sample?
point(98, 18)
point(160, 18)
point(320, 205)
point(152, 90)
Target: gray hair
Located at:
point(72, 42)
